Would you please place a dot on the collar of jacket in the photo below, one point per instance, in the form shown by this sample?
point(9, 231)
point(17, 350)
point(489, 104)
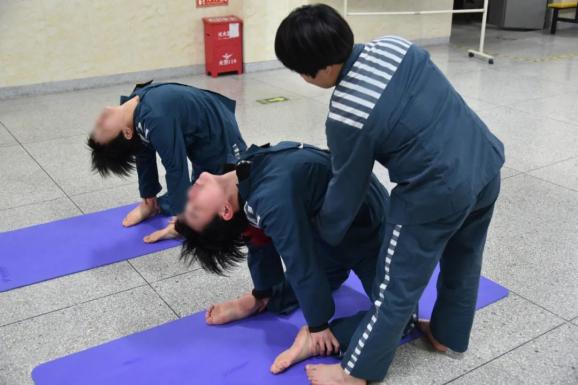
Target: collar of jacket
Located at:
point(355, 52)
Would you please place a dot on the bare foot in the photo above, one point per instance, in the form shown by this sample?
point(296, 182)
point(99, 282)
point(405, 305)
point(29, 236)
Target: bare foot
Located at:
point(139, 214)
point(424, 327)
point(301, 349)
point(235, 310)
point(331, 375)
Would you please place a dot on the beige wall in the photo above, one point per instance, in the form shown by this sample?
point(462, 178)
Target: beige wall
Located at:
point(51, 40)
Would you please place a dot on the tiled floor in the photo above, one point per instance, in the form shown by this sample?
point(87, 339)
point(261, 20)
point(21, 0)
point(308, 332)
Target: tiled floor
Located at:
point(529, 98)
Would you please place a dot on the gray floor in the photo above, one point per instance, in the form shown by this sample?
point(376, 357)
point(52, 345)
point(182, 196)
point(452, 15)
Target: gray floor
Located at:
point(529, 98)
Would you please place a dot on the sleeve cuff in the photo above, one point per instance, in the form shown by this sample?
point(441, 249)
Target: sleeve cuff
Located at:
point(261, 294)
point(317, 329)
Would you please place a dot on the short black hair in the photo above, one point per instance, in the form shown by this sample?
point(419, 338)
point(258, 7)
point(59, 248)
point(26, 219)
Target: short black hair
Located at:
point(313, 37)
point(219, 247)
point(117, 156)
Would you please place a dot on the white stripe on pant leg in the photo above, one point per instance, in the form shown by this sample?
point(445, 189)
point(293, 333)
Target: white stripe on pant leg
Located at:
point(383, 286)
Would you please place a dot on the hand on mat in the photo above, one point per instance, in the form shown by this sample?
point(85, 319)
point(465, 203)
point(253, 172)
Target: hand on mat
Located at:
point(168, 232)
point(146, 209)
point(325, 343)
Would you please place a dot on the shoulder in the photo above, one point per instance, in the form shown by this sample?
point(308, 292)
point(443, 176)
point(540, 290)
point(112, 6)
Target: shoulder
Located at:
point(356, 95)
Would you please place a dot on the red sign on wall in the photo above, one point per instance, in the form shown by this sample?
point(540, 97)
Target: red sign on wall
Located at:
point(211, 3)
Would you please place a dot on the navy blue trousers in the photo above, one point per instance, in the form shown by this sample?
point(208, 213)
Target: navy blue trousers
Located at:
point(407, 260)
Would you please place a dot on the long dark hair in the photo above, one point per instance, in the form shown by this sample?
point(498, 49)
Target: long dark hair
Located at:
point(115, 157)
point(219, 247)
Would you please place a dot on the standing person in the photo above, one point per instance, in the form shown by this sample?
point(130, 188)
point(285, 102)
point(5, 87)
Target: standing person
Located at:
point(178, 122)
point(391, 104)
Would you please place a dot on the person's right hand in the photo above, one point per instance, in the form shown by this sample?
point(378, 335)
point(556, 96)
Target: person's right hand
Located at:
point(146, 209)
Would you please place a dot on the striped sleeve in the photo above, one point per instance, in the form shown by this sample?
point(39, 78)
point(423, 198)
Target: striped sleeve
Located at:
point(357, 93)
point(352, 148)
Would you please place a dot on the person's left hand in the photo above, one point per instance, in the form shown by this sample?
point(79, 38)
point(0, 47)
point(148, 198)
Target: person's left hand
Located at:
point(168, 232)
point(325, 343)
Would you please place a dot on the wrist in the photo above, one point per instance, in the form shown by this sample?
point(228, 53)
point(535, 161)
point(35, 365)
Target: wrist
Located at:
point(320, 328)
point(262, 294)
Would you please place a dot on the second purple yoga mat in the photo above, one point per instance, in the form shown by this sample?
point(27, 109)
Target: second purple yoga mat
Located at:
point(39, 253)
point(187, 351)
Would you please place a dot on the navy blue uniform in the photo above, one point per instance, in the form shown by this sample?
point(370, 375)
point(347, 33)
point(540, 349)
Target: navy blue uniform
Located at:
point(391, 104)
point(281, 194)
point(182, 123)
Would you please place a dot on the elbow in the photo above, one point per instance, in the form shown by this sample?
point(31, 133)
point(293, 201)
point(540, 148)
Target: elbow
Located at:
point(332, 226)
point(331, 234)
point(333, 239)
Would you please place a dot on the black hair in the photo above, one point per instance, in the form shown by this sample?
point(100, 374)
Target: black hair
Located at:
point(218, 247)
point(117, 156)
point(313, 37)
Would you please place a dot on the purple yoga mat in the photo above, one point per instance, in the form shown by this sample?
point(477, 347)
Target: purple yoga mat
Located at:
point(39, 253)
point(187, 351)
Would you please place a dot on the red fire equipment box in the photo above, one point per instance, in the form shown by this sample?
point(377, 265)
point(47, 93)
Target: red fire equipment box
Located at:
point(223, 45)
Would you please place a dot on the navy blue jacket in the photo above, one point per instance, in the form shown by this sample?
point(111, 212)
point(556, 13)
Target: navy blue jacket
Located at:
point(281, 195)
point(391, 104)
point(182, 123)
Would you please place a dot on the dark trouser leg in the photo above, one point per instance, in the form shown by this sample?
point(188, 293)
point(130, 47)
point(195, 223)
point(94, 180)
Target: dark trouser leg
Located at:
point(283, 299)
point(460, 268)
point(165, 205)
point(344, 328)
point(405, 266)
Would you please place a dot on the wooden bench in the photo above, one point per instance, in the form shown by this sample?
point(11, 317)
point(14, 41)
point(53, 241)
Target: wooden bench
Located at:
point(556, 7)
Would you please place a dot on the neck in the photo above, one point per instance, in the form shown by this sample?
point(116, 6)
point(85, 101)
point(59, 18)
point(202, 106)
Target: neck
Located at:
point(337, 72)
point(230, 182)
point(128, 109)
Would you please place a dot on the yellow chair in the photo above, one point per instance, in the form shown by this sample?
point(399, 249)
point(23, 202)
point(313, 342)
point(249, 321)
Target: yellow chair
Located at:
point(556, 7)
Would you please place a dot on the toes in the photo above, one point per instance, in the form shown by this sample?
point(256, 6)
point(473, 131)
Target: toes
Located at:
point(278, 367)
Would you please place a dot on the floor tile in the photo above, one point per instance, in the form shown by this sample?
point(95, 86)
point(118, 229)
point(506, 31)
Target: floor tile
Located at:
point(30, 301)
point(108, 198)
point(31, 342)
point(563, 173)
point(23, 182)
point(5, 138)
point(478, 105)
point(244, 90)
point(562, 107)
point(531, 141)
point(532, 48)
point(454, 60)
point(549, 359)
point(45, 117)
point(497, 329)
point(197, 291)
point(300, 120)
point(67, 160)
point(161, 265)
point(37, 213)
point(532, 245)
point(508, 172)
point(490, 86)
point(290, 81)
point(563, 71)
